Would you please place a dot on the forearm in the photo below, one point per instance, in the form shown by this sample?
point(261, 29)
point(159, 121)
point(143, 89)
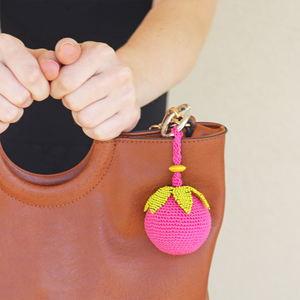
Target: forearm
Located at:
point(164, 48)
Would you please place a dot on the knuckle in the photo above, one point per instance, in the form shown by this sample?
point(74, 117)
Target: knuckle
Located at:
point(133, 118)
point(7, 116)
point(103, 49)
point(67, 102)
point(126, 72)
point(70, 103)
point(66, 83)
point(137, 115)
point(78, 118)
point(130, 93)
point(89, 134)
point(99, 135)
point(18, 116)
point(23, 99)
point(34, 75)
point(103, 52)
point(11, 115)
point(84, 120)
point(53, 91)
point(128, 98)
point(124, 75)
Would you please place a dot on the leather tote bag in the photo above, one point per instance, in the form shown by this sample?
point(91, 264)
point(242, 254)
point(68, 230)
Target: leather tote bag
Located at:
point(80, 234)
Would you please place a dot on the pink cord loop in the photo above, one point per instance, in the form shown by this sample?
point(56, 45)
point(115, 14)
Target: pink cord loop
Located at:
point(176, 180)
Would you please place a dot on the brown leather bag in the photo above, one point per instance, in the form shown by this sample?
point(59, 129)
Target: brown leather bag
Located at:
point(80, 234)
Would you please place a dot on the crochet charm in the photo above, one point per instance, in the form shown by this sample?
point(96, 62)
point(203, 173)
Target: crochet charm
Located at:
point(177, 217)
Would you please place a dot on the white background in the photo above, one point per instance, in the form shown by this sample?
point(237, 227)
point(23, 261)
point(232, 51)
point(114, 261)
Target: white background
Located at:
point(247, 77)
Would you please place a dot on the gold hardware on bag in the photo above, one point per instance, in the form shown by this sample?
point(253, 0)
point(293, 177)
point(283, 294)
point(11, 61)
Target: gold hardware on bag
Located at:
point(175, 116)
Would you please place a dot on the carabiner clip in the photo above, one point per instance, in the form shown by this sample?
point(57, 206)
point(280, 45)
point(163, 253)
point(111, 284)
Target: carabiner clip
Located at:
point(175, 117)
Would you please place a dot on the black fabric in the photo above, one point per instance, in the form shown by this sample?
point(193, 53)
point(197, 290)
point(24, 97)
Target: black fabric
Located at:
point(46, 140)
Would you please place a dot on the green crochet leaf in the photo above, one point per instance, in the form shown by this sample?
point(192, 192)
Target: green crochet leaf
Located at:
point(158, 199)
point(183, 196)
point(201, 196)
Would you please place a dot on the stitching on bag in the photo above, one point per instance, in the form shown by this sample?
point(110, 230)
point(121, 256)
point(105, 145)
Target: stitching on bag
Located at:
point(170, 141)
point(109, 164)
point(54, 206)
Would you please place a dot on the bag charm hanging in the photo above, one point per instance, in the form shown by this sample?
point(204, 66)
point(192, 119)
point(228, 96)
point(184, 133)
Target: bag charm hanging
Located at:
point(177, 217)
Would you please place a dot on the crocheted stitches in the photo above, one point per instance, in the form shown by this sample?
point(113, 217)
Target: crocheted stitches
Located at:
point(174, 232)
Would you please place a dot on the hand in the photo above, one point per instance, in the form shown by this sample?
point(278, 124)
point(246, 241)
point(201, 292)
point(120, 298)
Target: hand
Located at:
point(24, 75)
point(98, 88)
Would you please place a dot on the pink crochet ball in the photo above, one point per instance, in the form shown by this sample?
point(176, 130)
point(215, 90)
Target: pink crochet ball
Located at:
point(176, 232)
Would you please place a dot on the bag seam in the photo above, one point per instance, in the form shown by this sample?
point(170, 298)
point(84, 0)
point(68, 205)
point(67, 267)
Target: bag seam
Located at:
point(170, 141)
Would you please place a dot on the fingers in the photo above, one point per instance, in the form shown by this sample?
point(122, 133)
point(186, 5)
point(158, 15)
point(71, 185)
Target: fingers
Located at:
point(24, 66)
point(24, 74)
point(48, 62)
point(123, 99)
point(96, 88)
point(12, 90)
point(71, 77)
point(107, 118)
point(111, 128)
point(9, 113)
point(96, 113)
point(14, 97)
point(67, 51)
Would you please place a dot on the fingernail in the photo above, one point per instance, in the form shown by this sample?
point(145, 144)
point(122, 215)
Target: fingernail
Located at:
point(53, 61)
point(66, 43)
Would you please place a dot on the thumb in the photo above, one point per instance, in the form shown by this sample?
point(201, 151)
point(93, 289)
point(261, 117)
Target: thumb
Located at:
point(48, 62)
point(67, 51)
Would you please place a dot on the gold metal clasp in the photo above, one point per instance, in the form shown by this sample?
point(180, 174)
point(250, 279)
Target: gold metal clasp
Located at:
point(175, 116)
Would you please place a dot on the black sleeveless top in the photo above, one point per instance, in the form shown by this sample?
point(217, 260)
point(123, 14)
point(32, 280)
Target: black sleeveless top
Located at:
point(46, 140)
